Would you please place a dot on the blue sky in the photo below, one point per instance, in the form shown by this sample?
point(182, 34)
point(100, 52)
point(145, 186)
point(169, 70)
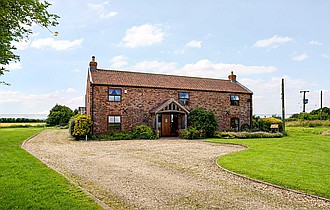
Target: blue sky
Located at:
point(261, 41)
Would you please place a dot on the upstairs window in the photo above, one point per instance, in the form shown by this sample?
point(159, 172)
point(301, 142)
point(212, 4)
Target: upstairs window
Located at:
point(184, 98)
point(234, 100)
point(115, 95)
point(114, 123)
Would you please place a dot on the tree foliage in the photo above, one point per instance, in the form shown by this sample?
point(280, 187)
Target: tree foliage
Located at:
point(59, 115)
point(321, 113)
point(263, 124)
point(202, 119)
point(16, 20)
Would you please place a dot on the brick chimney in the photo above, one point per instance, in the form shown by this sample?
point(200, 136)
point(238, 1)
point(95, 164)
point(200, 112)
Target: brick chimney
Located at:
point(232, 77)
point(93, 64)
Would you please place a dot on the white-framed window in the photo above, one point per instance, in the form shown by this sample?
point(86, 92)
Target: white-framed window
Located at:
point(114, 123)
point(184, 98)
point(114, 95)
point(234, 100)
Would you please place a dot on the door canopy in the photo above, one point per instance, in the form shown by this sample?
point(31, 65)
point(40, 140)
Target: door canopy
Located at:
point(169, 106)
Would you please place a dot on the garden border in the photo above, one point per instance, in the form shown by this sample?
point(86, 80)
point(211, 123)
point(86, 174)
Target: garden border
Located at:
point(265, 183)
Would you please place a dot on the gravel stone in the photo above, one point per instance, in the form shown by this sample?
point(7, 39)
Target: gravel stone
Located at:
point(160, 174)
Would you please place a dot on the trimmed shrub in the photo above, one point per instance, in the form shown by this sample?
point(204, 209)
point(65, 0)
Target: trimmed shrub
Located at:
point(201, 119)
point(122, 135)
point(192, 133)
point(248, 135)
point(224, 135)
point(143, 132)
point(82, 126)
point(265, 123)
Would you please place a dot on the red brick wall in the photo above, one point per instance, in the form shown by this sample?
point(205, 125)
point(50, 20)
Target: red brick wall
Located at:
point(135, 105)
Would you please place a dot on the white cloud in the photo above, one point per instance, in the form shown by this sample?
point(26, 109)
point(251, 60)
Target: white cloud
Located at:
point(202, 68)
point(272, 42)
point(300, 57)
point(56, 44)
point(71, 90)
point(194, 44)
point(314, 42)
point(108, 15)
point(97, 7)
point(101, 9)
point(22, 45)
point(143, 35)
point(179, 52)
point(19, 102)
point(12, 66)
point(118, 61)
point(156, 67)
point(267, 94)
point(207, 68)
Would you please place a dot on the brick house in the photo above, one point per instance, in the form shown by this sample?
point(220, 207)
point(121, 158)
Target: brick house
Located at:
point(120, 100)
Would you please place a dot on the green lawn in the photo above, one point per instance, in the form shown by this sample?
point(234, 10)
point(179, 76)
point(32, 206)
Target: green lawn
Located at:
point(26, 183)
point(300, 161)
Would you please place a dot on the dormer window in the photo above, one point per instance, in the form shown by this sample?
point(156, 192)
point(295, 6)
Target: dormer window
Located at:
point(184, 98)
point(234, 100)
point(115, 95)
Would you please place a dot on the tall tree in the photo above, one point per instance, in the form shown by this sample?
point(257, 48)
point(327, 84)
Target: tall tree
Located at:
point(16, 19)
point(59, 115)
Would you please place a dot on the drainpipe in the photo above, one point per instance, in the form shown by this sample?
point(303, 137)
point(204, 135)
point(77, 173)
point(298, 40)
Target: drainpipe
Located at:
point(251, 112)
point(92, 107)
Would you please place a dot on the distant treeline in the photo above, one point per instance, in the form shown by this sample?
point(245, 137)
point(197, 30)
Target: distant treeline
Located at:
point(318, 114)
point(19, 120)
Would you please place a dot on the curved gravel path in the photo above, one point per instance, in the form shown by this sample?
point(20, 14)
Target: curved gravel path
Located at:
point(159, 174)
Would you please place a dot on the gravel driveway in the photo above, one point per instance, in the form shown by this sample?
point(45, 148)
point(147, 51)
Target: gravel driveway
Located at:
point(159, 174)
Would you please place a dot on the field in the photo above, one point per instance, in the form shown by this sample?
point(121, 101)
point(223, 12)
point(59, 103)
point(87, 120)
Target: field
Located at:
point(18, 125)
point(26, 183)
point(300, 161)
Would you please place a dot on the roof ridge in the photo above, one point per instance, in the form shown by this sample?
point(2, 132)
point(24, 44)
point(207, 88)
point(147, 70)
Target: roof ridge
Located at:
point(168, 75)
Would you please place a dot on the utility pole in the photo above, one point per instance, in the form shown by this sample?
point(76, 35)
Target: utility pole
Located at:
point(283, 107)
point(305, 101)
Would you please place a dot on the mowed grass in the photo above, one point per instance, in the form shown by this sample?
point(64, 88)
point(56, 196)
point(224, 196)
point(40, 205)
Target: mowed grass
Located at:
point(26, 183)
point(300, 161)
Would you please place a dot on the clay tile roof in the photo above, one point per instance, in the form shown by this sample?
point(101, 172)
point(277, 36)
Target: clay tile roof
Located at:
point(135, 79)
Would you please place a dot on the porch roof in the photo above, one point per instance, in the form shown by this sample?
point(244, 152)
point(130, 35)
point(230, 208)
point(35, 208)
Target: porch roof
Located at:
point(169, 105)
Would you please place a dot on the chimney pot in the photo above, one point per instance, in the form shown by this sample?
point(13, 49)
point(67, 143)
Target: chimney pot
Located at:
point(93, 64)
point(232, 77)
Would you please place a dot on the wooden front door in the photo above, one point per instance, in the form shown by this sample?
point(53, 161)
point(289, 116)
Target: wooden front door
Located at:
point(166, 125)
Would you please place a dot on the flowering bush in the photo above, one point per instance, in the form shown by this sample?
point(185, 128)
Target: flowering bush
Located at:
point(82, 126)
point(265, 123)
point(248, 135)
point(192, 133)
